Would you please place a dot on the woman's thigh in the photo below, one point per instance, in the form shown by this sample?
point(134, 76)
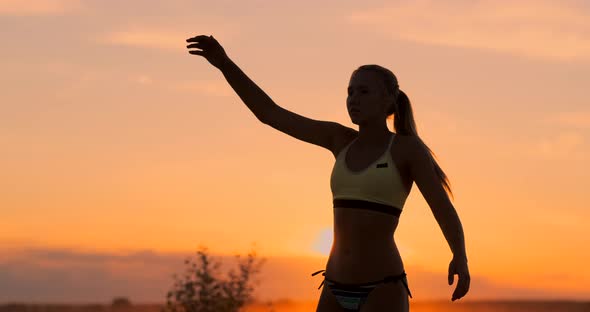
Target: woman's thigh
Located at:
point(387, 297)
point(328, 302)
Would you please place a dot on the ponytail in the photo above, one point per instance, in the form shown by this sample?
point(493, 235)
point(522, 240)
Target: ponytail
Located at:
point(404, 123)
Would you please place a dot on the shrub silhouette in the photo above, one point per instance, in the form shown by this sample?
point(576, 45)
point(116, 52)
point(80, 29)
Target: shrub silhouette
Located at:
point(202, 291)
point(120, 302)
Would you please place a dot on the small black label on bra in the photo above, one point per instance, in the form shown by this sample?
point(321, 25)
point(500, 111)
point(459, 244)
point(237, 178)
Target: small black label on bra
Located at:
point(383, 165)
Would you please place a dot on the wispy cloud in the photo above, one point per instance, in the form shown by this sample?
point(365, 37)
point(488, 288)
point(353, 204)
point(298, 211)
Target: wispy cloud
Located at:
point(38, 7)
point(163, 38)
point(172, 40)
point(578, 120)
point(61, 275)
point(564, 145)
point(537, 29)
point(569, 141)
point(206, 87)
point(157, 39)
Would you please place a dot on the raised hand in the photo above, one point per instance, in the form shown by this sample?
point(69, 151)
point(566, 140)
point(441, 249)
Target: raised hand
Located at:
point(210, 49)
point(459, 266)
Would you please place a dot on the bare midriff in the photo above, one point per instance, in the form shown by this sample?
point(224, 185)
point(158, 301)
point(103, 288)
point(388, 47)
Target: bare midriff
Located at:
point(364, 249)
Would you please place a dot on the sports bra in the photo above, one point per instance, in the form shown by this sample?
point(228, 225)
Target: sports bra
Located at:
point(378, 187)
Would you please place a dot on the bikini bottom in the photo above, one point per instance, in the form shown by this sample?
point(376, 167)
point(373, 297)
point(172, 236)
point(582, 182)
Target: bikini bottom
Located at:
point(352, 296)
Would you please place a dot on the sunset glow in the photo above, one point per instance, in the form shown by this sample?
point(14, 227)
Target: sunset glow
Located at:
point(122, 153)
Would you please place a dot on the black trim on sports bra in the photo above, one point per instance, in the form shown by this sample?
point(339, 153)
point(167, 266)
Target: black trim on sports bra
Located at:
point(363, 204)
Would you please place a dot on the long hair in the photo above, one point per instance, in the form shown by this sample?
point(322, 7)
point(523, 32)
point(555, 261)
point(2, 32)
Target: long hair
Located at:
point(403, 121)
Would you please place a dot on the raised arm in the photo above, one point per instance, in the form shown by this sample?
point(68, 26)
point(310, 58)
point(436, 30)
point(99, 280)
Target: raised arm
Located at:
point(317, 132)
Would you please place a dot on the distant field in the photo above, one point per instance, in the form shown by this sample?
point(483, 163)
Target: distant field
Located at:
point(296, 306)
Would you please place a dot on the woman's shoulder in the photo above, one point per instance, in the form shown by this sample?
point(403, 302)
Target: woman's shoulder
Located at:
point(402, 140)
point(413, 148)
point(405, 146)
point(407, 140)
point(343, 138)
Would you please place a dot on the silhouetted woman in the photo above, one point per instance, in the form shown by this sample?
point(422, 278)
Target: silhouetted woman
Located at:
point(371, 179)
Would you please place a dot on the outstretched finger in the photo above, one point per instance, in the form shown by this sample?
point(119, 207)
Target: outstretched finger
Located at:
point(195, 45)
point(197, 38)
point(196, 52)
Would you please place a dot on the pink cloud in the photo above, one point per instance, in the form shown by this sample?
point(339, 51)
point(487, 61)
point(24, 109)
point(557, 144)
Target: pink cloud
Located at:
point(164, 38)
point(536, 29)
point(38, 7)
point(158, 39)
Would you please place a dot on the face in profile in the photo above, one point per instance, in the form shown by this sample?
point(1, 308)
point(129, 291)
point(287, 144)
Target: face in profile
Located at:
point(367, 101)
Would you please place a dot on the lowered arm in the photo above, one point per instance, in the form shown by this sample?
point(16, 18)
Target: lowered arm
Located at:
point(424, 174)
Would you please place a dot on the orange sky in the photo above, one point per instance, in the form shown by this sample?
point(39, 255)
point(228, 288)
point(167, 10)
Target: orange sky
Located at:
point(115, 139)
